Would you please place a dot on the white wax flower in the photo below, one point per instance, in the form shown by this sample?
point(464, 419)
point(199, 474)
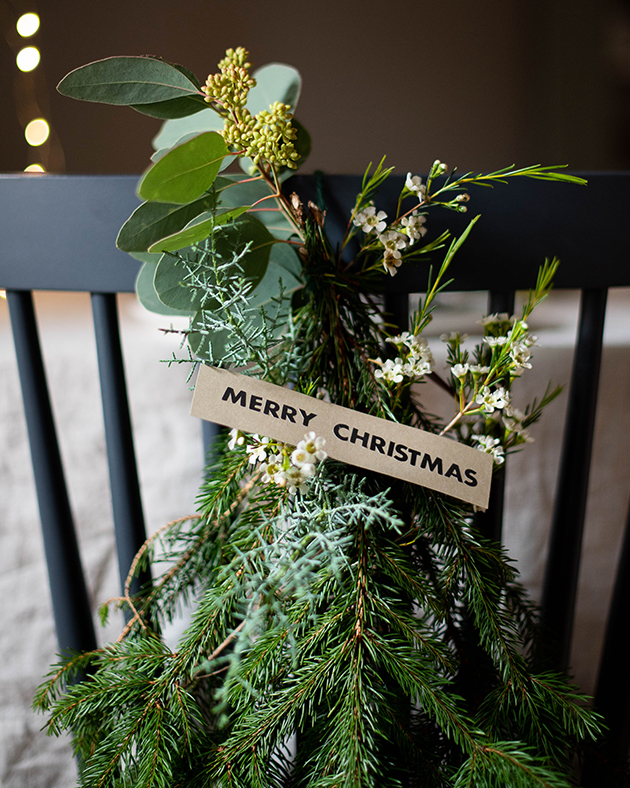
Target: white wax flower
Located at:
point(495, 341)
point(314, 445)
point(413, 226)
point(491, 400)
point(392, 261)
point(414, 184)
point(498, 317)
point(490, 446)
point(391, 371)
point(370, 221)
point(237, 438)
point(258, 450)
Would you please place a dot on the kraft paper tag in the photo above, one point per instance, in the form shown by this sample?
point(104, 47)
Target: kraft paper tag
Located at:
point(420, 457)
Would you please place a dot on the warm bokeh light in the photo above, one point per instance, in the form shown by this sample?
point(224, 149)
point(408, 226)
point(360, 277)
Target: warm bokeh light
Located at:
point(3, 293)
point(34, 168)
point(27, 59)
point(37, 132)
point(27, 24)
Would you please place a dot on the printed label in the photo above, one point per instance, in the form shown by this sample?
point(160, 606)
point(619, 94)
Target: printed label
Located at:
point(420, 457)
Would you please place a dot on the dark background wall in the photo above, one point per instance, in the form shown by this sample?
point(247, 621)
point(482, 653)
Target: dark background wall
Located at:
point(477, 83)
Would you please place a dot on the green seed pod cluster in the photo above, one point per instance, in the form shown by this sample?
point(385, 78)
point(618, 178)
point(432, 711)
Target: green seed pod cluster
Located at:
point(272, 136)
point(231, 85)
point(268, 136)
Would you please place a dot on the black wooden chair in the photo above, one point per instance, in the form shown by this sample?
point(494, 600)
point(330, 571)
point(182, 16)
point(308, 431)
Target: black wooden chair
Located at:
point(73, 249)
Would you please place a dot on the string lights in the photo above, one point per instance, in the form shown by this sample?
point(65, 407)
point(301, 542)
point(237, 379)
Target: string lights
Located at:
point(21, 27)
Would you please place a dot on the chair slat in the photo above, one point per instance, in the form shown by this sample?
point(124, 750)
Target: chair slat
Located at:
point(501, 301)
point(397, 310)
point(612, 695)
point(563, 562)
point(70, 602)
point(491, 522)
point(209, 433)
point(121, 457)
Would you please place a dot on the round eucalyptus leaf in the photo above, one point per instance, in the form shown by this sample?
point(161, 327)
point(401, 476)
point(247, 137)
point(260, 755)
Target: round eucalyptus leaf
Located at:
point(147, 296)
point(179, 276)
point(154, 220)
point(173, 130)
point(181, 107)
point(274, 82)
point(196, 231)
point(200, 343)
point(186, 172)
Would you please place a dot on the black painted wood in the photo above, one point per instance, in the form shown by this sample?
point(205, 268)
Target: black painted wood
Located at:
point(565, 545)
point(522, 224)
point(59, 232)
point(491, 522)
point(70, 602)
point(612, 695)
point(121, 457)
point(397, 311)
point(209, 433)
point(79, 216)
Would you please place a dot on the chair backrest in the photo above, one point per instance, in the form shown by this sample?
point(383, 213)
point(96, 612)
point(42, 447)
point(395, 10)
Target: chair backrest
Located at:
point(58, 233)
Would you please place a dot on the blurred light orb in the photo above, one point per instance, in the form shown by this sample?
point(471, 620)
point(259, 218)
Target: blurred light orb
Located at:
point(27, 25)
point(27, 59)
point(34, 168)
point(37, 132)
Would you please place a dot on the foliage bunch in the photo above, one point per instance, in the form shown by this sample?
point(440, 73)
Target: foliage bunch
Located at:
point(349, 629)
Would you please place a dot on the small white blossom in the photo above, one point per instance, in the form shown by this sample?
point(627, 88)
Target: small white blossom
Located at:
point(392, 262)
point(296, 472)
point(237, 438)
point(454, 336)
point(498, 317)
point(477, 369)
point(413, 226)
point(490, 446)
point(520, 355)
point(391, 371)
point(512, 425)
point(415, 343)
point(418, 367)
point(302, 457)
point(460, 370)
point(258, 451)
point(370, 221)
point(272, 469)
point(512, 418)
point(414, 184)
point(296, 478)
point(495, 341)
point(392, 240)
point(314, 445)
point(490, 400)
point(419, 361)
